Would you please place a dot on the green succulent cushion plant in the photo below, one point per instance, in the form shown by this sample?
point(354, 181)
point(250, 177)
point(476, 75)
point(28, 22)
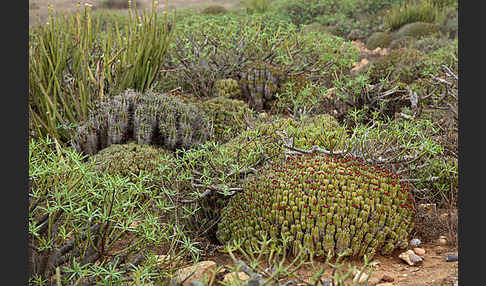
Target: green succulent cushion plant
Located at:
point(379, 39)
point(416, 30)
point(228, 116)
point(228, 88)
point(132, 160)
point(327, 204)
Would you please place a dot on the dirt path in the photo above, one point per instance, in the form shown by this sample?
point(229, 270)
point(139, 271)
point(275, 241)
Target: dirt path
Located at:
point(433, 271)
point(38, 8)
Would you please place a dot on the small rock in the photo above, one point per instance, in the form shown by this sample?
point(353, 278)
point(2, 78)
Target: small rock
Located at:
point(451, 258)
point(442, 241)
point(427, 208)
point(387, 278)
point(410, 257)
point(373, 281)
point(201, 270)
point(415, 242)
point(419, 251)
point(230, 277)
point(362, 278)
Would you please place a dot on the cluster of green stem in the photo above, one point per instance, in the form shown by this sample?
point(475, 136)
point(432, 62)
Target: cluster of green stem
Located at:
point(228, 117)
point(324, 204)
point(151, 118)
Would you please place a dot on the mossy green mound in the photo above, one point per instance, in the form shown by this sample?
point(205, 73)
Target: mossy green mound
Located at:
point(228, 116)
point(379, 39)
point(416, 30)
point(214, 10)
point(322, 203)
point(133, 160)
point(267, 137)
point(228, 88)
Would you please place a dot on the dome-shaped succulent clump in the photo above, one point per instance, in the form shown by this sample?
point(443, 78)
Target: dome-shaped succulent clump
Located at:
point(416, 30)
point(151, 118)
point(228, 88)
point(130, 159)
point(214, 10)
point(228, 117)
point(322, 203)
point(379, 39)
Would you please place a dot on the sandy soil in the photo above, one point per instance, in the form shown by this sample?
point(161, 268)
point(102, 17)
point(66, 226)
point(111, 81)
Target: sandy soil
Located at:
point(38, 8)
point(433, 271)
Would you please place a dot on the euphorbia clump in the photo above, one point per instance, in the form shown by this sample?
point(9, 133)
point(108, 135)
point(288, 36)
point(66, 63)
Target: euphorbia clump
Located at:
point(326, 204)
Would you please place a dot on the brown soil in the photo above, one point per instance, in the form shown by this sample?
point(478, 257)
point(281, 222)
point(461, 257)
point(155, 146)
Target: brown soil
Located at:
point(433, 271)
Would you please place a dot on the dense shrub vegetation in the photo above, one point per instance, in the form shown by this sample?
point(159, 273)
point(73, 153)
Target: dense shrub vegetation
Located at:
point(245, 130)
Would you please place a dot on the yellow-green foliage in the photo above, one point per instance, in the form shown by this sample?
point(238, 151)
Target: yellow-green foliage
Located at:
point(323, 203)
point(416, 30)
point(214, 10)
point(402, 65)
point(379, 39)
point(228, 117)
point(228, 88)
point(322, 130)
point(410, 12)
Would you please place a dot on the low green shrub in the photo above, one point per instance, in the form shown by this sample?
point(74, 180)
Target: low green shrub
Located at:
point(229, 117)
point(258, 51)
point(379, 39)
point(402, 43)
point(416, 30)
point(96, 228)
point(256, 6)
point(214, 10)
point(403, 66)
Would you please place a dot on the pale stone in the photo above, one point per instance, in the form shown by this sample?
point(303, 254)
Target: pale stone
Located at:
point(231, 277)
point(419, 251)
point(410, 257)
point(362, 279)
point(202, 271)
point(442, 241)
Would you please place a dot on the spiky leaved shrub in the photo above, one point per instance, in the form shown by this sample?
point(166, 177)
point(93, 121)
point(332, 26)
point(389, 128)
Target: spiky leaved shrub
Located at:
point(228, 88)
point(379, 39)
point(323, 203)
point(149, 118)
point(94, 228)
point(208, 49)
point(416, 30)
point(228, 117)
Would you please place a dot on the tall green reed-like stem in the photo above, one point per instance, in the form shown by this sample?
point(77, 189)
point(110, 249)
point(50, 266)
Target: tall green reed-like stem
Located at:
point(73, 62)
